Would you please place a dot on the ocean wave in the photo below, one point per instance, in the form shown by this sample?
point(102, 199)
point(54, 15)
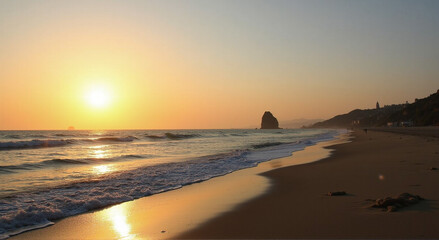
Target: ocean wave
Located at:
point(267, 144)
point(171, 136)
point(28, 209)
point(114, 139)
point(37, 136)
point(238, 135)
point(63, 161)
point(154, 136)
point(14, 136)
point(65, 135)
point(67, 161)
point(34, 144)
point(175, 136)
point(32, 209)
point(43, 143)
point(82, 134)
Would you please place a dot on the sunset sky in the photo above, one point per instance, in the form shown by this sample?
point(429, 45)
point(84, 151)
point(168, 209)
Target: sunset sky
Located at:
point(209, 64)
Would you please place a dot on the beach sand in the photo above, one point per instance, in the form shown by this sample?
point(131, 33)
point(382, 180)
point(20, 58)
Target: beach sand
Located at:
point(287, 202)
point(375, 165)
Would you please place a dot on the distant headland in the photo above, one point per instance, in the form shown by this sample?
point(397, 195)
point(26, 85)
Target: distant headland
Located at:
point(422, 112)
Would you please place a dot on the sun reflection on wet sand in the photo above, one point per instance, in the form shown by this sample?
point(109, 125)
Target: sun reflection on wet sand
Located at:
point(118, 217)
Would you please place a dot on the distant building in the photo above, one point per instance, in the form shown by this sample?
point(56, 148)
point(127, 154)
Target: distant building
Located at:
point(392, 124)
point(378, 105)
point(406, 124)
point(400, 124)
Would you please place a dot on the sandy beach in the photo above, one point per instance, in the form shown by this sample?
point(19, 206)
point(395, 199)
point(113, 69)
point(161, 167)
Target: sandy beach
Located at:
point(276, 200)
point(169, 214)
point(375, 165)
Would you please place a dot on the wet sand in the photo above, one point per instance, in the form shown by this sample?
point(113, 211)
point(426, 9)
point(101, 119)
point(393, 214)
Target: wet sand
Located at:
point(375, 165)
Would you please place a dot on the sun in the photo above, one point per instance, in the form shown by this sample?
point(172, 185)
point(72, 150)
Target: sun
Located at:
point(98, 97)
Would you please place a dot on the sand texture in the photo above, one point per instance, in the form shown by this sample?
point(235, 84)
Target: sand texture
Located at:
point(375, 165)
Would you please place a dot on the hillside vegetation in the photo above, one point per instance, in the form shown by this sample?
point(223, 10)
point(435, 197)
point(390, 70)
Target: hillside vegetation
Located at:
point(423, 112)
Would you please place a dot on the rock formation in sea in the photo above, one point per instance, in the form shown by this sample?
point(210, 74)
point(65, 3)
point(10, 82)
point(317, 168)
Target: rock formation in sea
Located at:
point(269, 121)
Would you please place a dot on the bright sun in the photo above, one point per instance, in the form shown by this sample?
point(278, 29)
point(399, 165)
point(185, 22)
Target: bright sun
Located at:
point(98, 97)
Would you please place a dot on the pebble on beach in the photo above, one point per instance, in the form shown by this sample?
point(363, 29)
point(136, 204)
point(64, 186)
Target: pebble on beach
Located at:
point(339, 193)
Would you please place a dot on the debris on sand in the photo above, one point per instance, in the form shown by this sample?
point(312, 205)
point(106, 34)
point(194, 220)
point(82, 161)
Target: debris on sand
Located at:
point(433, 168)
point(392, 204)
point(339, 193)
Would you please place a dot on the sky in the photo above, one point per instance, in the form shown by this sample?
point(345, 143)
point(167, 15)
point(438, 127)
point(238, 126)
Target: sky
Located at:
point(209, 64)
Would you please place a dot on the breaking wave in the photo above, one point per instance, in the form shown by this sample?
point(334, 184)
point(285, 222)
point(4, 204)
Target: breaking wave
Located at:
point(66, 161)
point(267, 144)
point(172, 136)
point(44, 143)
point(34, 144)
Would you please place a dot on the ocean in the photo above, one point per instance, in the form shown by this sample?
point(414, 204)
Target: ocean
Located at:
point(49, 175)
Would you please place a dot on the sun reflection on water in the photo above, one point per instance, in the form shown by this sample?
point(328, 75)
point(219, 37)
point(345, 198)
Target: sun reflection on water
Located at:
point(101, 169)
point(99, 152)
point(118, 217)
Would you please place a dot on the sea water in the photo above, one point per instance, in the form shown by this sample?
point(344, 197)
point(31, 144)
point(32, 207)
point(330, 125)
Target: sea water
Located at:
point(49, 175)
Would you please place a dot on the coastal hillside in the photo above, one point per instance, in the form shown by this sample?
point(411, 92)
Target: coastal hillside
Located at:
point(298, 123)
point(423, 112)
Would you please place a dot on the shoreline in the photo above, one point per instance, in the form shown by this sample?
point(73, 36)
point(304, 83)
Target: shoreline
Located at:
point(374, 165)
point(200, 201)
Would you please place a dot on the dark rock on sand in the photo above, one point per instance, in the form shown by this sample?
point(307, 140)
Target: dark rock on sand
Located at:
point(433, 168)
point(340, 193)
point(392, 204)
point(392, 208)
point(269, 121)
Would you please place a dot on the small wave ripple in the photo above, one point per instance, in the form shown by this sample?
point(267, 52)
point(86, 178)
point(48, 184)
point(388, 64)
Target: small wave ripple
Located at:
point(172, 136)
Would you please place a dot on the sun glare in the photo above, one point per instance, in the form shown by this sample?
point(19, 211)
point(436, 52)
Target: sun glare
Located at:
point(98, 97)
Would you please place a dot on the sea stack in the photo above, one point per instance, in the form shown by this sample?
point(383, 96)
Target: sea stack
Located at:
point(269, 121)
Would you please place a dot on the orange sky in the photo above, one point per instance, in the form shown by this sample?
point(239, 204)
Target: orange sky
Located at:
point(195, 64)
